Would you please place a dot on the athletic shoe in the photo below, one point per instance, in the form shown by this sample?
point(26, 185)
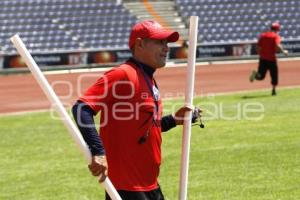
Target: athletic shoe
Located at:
point(273, 92)
point(252, 76)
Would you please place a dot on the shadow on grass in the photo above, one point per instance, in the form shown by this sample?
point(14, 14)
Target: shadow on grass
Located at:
point(256, 96)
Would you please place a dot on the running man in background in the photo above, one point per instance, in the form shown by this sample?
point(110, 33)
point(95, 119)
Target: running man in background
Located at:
point(129, 146)
point(269, 44)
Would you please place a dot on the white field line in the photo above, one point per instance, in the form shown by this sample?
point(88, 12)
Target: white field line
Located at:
point(233, 62)
point(250, 61)
point(289, 59)
point(74, 71)
point(168, 98)
point(23, 112)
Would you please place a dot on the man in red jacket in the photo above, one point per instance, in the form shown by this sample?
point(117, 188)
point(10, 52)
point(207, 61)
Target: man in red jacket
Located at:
point(129, 146)
point(268, 44)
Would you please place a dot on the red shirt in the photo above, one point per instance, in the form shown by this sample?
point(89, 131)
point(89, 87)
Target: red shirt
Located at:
point(127, 108)
point(268, 42)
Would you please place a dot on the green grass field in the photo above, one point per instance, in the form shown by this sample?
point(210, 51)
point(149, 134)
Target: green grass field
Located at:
point(233, 158)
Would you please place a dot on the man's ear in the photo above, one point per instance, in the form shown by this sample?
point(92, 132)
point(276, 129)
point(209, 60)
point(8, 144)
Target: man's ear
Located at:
point(138, 43)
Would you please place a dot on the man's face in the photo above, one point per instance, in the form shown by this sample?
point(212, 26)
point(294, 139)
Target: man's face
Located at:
point(155, 52)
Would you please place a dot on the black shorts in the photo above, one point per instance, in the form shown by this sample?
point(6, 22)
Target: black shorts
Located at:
point(264, 66)
point(139, 195)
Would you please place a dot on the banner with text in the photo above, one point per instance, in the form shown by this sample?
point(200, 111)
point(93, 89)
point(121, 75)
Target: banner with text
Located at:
point(117, 56)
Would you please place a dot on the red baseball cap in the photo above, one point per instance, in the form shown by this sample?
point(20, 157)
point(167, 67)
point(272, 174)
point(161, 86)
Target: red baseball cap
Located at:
point(152, 30)
point(275, 26)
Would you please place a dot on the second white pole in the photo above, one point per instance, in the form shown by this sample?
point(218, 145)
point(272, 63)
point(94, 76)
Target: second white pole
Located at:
point(189, 95)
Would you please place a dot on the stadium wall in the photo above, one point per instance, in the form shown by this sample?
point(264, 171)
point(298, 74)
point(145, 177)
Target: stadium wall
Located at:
point(104, 57)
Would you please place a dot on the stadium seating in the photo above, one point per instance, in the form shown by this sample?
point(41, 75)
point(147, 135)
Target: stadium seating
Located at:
point(231, 21)
point(86, 25)
point(64, 25)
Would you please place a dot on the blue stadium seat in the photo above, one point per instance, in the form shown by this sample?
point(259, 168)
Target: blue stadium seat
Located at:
point(241, 20)
point(48, 25)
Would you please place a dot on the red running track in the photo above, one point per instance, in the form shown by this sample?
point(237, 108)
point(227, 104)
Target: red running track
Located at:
point(22, 93)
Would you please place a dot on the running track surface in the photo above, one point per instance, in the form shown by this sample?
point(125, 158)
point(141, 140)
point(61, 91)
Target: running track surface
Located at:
point(20, 93)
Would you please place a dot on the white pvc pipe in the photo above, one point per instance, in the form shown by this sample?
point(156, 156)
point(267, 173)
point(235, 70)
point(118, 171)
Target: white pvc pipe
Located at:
point(47, 89)
point(189, 92)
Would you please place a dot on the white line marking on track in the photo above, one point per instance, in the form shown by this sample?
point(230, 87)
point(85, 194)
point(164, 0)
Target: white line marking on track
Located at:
point(23, 112)
point(74, 71)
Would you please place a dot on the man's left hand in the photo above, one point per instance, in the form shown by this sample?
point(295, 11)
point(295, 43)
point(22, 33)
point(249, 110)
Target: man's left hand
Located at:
point(179, 115)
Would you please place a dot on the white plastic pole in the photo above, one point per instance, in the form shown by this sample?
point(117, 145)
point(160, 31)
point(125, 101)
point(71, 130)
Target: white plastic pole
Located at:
point(73, 130)
point(189, 92)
